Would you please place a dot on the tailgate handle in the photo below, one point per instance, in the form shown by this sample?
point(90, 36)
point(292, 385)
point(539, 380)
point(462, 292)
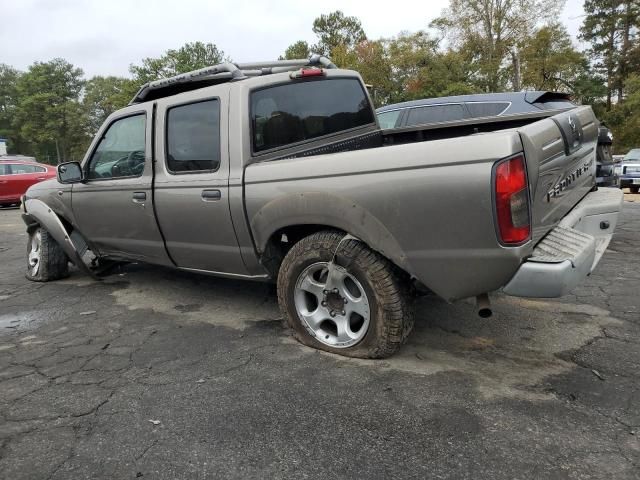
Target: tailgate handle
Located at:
point(211, 195)
point(139, 196)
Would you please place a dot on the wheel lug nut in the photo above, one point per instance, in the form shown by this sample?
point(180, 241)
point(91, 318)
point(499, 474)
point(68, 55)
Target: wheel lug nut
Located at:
point(332, 313)
point(345, 301)
point(324, 304)
point(335, 290)
point(342, 313)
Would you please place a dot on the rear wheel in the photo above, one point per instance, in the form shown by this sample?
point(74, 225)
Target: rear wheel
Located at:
point(634, 189)
point(45, 258)
point(357, 305)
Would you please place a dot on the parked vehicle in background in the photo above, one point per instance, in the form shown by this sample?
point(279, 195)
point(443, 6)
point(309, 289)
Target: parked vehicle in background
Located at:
point(16, 177)
point(629, 171)
point(280, 172)
point(514, 108)
point(606, 174)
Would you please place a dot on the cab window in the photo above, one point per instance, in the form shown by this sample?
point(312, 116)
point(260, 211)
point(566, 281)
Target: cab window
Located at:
point(193, 137)
point(121, 151)
point(294, 112)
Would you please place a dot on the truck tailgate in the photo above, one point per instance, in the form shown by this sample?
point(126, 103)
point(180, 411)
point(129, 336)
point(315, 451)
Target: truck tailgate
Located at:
point(560, 152)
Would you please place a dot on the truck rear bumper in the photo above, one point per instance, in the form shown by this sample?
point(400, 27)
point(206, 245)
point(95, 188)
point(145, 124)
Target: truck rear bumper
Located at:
point(569, 252)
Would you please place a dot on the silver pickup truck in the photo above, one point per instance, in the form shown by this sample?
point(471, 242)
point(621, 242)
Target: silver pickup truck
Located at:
point(279, 171)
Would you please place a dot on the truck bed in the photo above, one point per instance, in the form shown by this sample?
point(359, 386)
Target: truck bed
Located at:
point(428, 205)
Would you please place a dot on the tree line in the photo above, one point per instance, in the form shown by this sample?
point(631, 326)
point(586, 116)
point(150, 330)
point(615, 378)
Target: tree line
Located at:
point(51, 110)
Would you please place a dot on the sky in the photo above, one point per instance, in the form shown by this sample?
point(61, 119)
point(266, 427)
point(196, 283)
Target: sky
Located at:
point(103, 37)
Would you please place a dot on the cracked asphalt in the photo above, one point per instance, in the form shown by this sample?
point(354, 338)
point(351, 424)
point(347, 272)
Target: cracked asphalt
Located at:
point(153, 373)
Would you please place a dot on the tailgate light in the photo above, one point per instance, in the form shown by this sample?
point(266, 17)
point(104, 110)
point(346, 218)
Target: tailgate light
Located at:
point(512, 200)
point(307, 72)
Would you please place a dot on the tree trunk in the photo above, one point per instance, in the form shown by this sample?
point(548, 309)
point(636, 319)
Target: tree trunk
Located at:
point(515, 59)
point(624, 51)
point(609, 63)
point(58, 151)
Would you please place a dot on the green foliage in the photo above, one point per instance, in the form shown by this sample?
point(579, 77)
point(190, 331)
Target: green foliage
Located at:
point(105, 95)
point(48, 114)
point(335, 30)
point(611, 30)
point(488, 33)
point(421, 70)
point(8, 96)
point(190, 56)
point(297, 50)
point(624, 117)
point(550, 61)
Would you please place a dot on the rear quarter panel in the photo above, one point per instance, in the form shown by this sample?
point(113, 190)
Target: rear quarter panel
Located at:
point(426, 206)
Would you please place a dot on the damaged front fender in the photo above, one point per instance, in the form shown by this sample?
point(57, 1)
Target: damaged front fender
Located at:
point(38, 213)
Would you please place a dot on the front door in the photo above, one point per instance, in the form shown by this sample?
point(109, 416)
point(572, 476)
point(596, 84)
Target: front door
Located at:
point(113, 207)
point(192, 183)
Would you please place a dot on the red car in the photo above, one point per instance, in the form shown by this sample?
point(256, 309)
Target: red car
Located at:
point(16, 177)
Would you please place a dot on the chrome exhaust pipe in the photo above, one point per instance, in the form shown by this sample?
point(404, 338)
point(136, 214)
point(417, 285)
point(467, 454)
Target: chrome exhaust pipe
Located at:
point(483, 306)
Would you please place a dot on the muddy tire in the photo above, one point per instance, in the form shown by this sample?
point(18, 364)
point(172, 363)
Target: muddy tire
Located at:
point(364, 310)
point(46, 260)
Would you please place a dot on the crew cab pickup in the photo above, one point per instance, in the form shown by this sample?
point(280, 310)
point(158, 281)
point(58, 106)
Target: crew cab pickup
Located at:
point(279, 171)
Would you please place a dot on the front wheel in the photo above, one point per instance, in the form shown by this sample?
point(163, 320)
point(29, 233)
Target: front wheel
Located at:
point(357, 305)
point(45, 258)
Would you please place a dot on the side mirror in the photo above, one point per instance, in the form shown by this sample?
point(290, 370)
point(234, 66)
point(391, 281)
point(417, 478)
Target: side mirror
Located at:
point(70, 172)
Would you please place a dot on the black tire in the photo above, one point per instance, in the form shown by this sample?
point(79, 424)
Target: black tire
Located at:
point(634, 189)
point(386, 287)
point(52, 262)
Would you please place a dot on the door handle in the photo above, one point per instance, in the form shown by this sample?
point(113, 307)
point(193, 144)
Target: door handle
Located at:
point(139, 197)
point(211, 195)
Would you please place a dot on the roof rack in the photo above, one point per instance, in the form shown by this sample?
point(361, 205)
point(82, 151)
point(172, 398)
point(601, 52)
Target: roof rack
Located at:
point(221, 73)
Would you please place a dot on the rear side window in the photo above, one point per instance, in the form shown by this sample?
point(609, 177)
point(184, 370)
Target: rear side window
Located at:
point(435, 114)
point(486, 109)
point(193, 137)
point(294, 112)
point(555, 105)
point(17, 169)
point(389, 119)
point(4, 169)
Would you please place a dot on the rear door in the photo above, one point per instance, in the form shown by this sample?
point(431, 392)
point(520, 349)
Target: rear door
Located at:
point(192, 182)
point(560, 152)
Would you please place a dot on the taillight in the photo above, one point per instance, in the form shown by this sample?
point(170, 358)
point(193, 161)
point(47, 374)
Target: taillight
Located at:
point(512, 200)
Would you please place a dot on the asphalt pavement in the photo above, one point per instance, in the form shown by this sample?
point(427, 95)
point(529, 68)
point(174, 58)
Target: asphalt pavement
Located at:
point(153, 373)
